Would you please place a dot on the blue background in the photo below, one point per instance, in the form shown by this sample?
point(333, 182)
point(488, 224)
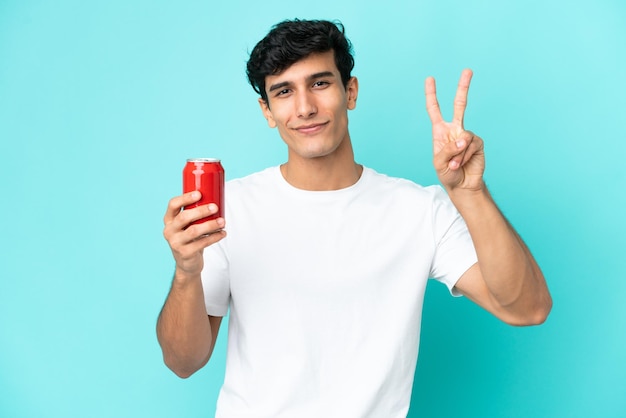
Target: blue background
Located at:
point(101, 102)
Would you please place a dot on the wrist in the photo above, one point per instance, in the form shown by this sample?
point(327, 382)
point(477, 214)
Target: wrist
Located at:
point(184, 277)
point(470, 199)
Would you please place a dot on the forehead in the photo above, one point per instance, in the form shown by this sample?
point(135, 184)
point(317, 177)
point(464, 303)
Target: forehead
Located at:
point(301, 70)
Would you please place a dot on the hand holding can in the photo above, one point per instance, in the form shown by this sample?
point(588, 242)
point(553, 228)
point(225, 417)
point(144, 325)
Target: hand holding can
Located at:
point(207, 176)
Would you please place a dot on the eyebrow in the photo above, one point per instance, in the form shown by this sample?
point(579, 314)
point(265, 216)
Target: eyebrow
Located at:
point(309, 78)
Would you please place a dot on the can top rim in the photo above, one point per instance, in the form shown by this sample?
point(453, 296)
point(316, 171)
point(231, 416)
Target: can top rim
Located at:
point(203, 160)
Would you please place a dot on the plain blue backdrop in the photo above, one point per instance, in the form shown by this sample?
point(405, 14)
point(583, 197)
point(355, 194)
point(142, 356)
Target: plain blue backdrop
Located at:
point(101, 102)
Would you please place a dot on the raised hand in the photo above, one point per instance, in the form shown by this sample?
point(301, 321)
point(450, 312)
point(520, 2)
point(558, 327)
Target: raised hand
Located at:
point(458, 155)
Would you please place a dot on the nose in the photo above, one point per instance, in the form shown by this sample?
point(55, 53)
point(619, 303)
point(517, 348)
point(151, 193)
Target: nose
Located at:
point(305, 105)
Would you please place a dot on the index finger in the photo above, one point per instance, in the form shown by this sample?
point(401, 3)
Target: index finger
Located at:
point(177, 203)
point(460, 100)
point(432, 105)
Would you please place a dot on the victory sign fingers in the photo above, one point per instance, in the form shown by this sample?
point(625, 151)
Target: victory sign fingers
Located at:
point(457, 154)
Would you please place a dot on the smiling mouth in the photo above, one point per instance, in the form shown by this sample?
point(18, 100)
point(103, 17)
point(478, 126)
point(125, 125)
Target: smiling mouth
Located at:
point(311, 129)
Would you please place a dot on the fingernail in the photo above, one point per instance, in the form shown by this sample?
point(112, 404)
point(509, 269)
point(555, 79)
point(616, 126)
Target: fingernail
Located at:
point(212, 207)
point(195, 194)
point(460, 143)
point(220, 222)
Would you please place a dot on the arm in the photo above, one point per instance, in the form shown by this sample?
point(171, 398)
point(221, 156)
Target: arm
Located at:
point(185, 332)
point(506, 281)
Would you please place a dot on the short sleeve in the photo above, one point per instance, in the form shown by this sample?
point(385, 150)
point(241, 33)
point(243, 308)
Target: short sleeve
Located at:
point(215, 280)
point(454, 249)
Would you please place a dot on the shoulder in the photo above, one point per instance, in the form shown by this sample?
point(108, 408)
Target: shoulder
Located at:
point(260, 179)
point(391, 186)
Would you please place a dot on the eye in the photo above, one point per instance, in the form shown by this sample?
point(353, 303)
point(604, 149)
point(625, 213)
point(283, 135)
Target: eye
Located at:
point(320, 84)
point(282, 92)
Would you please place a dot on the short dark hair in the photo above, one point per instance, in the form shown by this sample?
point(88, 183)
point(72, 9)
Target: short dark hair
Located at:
point(293, 40)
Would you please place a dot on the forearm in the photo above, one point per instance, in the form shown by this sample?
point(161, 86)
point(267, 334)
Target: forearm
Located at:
point(510, 272)
point(183, 328)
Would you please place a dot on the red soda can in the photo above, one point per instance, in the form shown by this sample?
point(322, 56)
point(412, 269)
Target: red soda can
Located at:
point(207, 176)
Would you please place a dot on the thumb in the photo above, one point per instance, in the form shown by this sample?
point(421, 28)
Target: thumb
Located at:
point(451, 154)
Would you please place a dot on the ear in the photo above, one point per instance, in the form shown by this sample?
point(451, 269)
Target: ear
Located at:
point(267, 113)
point(352, 91)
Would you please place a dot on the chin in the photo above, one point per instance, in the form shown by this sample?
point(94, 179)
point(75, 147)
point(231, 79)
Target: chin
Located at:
point(323, 150)
point(315, 154)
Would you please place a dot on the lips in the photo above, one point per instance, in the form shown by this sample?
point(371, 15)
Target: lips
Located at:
point(311, 128)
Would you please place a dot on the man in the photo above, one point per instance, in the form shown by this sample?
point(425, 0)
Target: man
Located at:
point(326, 262)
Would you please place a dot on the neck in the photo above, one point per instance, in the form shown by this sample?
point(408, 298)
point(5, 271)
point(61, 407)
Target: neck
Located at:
point(332, 172)
point(318, 178)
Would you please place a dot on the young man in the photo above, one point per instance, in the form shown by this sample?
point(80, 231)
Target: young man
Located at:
point(326, 262)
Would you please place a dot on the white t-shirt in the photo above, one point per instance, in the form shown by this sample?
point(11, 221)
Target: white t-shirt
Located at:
point(325, 290)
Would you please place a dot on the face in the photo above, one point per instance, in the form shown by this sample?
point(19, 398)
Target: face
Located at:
point(309, 105)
